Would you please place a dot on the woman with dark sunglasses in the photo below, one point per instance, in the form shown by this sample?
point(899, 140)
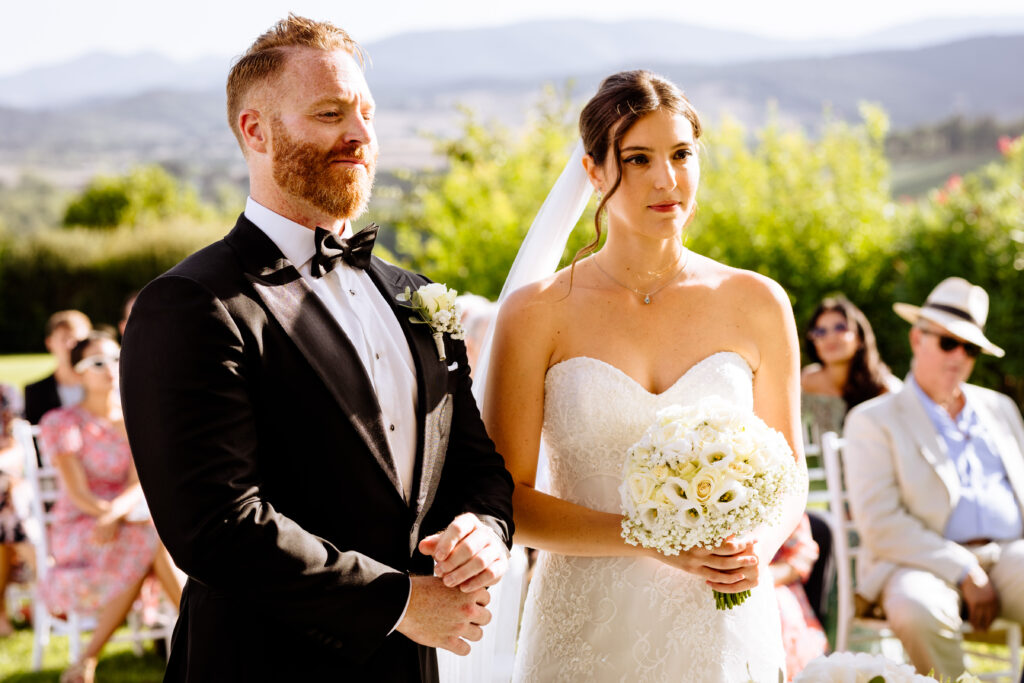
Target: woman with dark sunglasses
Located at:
point(845, 362)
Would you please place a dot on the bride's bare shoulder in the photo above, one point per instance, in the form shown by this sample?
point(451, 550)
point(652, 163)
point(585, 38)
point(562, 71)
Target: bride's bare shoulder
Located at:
point(535, 303)
point(753, 292)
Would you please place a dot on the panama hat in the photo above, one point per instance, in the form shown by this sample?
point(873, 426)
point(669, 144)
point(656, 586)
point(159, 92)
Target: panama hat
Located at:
point(959, 307)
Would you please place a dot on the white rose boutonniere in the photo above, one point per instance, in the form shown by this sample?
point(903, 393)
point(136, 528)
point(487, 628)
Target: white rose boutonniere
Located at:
point(435, 306)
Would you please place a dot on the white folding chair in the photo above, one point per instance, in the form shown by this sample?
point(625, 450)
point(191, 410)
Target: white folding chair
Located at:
point(43, 487)
point(854, 629)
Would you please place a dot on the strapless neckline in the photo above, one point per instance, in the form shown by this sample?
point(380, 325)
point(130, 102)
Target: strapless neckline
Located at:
point(693, 368)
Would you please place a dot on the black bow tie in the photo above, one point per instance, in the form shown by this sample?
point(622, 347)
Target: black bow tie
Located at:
point(355, 250)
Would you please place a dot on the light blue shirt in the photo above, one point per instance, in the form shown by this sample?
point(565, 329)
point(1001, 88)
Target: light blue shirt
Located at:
point(987, 507)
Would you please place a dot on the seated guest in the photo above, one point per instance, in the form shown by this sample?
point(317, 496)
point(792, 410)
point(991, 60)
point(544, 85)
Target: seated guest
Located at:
point(12, 534)
point(802, 634)
point(846, 369)
point(126, 311)
point(102, 548)
point(478, 315)
point(935, 474)
point(64, 329)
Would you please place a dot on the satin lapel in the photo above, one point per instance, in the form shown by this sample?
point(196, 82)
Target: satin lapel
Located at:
point(932, 447)
point(431, 375)
point(316, 333)
point(1007, 448)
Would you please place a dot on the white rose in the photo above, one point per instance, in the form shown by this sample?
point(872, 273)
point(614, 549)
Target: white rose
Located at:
point(704, 487)
point(740, 469)
point(430, 296)
point(743, 443)
point(640, 487)
point(678, 449)
point(672, 413)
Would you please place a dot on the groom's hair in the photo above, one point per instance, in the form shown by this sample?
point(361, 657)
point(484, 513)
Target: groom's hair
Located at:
point(267, 56)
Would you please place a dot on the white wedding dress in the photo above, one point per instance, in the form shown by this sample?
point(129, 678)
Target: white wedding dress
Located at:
point(624, 619)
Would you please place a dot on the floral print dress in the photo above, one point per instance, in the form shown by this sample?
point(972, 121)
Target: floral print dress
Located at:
point(802, 634)
point(85, 574)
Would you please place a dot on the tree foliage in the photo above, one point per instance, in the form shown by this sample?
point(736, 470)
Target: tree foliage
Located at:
point(814, 214)
point(144, 194)
point(464, 226)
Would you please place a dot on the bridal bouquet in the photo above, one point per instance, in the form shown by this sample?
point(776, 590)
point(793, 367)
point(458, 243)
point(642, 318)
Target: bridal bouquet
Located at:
point(861, 667)
point(700, 474)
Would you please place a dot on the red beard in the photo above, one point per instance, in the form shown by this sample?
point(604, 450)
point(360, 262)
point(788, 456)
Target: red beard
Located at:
point(306, 171)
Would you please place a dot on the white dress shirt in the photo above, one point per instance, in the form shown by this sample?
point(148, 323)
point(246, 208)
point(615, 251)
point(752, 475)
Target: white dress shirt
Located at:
point(369, 322)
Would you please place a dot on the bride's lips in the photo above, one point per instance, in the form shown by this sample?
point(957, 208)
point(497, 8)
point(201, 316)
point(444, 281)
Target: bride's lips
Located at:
point(664, 207)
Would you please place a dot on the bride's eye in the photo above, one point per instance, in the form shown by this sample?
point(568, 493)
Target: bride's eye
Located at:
point(636, 160)
point(683, 154)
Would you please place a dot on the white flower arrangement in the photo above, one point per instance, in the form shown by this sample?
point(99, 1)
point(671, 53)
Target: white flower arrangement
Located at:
point(700, 474)
point(861, 667)
point(435, 306)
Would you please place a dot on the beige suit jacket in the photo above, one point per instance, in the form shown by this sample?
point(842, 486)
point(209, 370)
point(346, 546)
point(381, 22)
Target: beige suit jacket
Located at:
point(903, 486)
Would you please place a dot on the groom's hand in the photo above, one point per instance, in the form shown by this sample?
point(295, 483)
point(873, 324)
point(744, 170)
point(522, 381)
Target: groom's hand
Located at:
point(439, 616)
point(468, 554)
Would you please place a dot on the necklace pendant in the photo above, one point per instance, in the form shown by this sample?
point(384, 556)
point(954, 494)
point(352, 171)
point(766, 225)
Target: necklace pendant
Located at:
point(647, 298)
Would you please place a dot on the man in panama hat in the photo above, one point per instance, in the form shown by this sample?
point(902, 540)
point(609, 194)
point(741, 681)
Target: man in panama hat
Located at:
point(935, 474)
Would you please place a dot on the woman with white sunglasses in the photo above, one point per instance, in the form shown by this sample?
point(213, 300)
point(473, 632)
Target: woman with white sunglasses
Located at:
point(102, 547)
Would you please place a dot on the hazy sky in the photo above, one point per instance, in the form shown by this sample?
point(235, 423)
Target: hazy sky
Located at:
point(37, 32)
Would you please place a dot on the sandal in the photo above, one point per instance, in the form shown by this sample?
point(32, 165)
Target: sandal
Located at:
point(83, 671)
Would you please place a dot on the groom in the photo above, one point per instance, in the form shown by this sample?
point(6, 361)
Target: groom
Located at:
point(296, 437)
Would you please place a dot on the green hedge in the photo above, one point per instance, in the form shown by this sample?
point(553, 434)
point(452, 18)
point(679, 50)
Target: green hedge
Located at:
point(90, 270)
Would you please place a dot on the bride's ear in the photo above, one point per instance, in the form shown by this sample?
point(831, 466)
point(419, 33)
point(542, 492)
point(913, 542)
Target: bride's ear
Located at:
point(595, 173)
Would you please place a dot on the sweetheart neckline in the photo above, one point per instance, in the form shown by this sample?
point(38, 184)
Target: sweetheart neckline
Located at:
point(669, 388)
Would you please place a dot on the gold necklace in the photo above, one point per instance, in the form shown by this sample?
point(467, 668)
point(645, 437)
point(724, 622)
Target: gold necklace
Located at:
point(647, 295)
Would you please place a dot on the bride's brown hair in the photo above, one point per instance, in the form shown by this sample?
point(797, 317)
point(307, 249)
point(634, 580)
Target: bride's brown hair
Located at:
point(620, 101)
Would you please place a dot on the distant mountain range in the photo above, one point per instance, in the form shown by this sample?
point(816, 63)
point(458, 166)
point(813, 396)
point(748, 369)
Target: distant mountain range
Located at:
point(148, 108)
point(526, 51)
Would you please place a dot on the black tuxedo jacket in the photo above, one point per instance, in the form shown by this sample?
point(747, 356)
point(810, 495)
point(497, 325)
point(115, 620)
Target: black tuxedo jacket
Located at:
point(261, 450)
point(40, 398)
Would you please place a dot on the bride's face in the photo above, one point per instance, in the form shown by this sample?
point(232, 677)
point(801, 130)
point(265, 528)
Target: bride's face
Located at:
point(660, 174)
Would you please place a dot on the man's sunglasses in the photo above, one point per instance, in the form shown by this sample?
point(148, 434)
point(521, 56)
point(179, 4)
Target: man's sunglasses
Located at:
point(820, 332)
point(95, 363)
point(947, 344)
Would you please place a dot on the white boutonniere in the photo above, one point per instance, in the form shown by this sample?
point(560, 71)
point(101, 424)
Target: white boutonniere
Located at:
point(435, 306)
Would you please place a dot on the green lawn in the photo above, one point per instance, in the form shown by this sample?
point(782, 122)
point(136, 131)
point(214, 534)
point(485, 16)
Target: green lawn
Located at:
point(117, 665)
point(25, 368)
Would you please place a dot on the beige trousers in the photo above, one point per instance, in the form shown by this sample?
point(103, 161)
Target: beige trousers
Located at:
point(924, 611)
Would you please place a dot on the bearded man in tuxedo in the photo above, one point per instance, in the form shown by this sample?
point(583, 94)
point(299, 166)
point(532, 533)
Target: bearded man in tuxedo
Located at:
point(297, 438)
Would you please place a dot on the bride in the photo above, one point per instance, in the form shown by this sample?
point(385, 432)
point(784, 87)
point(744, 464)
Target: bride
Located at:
point(587, 356)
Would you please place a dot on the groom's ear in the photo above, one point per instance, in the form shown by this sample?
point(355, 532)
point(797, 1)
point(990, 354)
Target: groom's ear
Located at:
point(254, 133)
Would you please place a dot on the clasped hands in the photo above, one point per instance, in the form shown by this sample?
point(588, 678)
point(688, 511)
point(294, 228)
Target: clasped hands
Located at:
point(449, 608)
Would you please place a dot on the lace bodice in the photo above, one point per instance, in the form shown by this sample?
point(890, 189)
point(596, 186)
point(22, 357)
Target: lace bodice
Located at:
point(593, 413)
point(626, 619)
